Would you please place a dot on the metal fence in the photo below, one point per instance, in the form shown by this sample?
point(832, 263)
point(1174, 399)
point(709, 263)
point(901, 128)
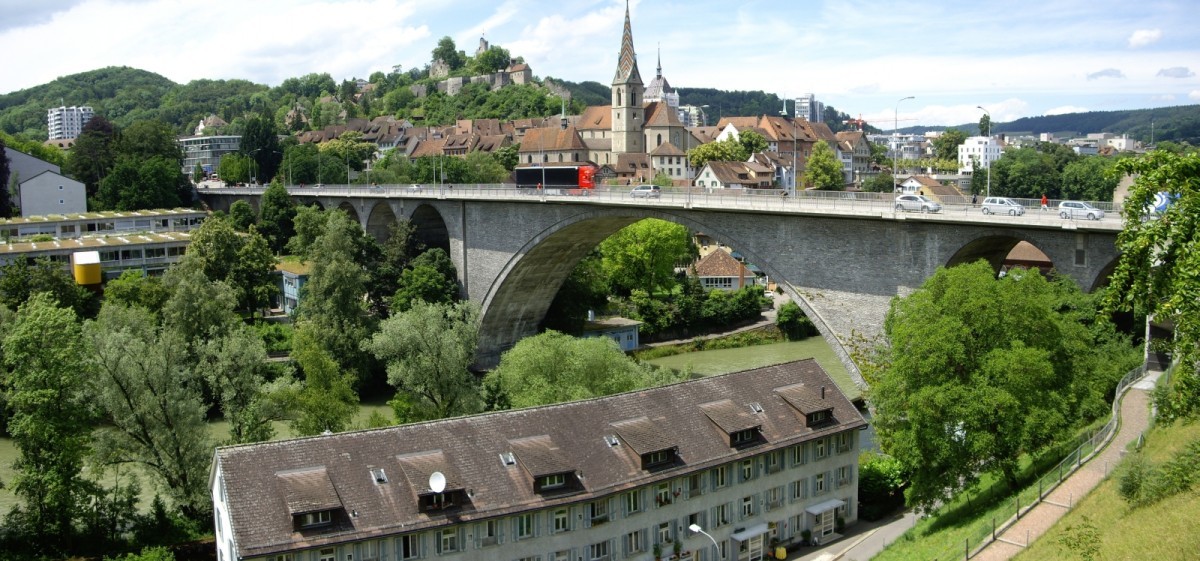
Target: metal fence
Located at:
point(984, 532)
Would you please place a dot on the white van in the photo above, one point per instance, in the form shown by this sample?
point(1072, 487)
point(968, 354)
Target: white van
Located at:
point(1002, 205)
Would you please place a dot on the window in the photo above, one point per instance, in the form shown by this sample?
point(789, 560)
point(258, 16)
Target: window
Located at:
point(843, 475)
point(633, 542)
point(633, 501)
point(695, 485)
point(531, 558)
point(820, 445)
point(524, 526)
point(718, 477)
point(742, 436)
point(316, 519)
point(747, 470)
point(774, 497)
point(799, 489)
point(553, 481)
point(747, 506)
point(564, 555)
point(598, 512)
point(562, 520)
point(843, 442)
point(449, 541)
point(774, 463)
point(653, 458)
point(326, 554)
point(664, 532)
point(662, 494)
point(370, 551)
point(284, 557)
point(819, 484)
point(598, 551)
point(408, 547)
point(720, 515)
point(798, 458)
point(489, 532)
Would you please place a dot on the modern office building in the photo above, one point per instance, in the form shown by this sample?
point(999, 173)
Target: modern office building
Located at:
point(67, 122)
point(809, 109)
point(751, 458)
point(207, 151)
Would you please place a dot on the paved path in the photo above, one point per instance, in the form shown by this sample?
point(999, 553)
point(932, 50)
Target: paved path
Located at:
point(1135, 418)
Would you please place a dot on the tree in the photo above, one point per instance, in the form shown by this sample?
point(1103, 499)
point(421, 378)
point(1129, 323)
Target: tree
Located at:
point(1090, 179)
point(93, 154)
point(133, 288)
point(447, 52)
point(945, 146)
point(19, 281)
point(1027, 173)
point(198, 174)
point(277, 215)
point(555, 368)
point(492, 60)
point(483, 167)
point(260, 143)
point(151, 396)
point(728, 150)
point(879, 183)
point(309, 224)
point(51, 418)
point(199, 309)
point(981, 370)
point(644, 255)
point(137, 183)
point(5, 195)
point(327, 401)
point(985, 125)
point(1156, 272)
point(234, 168)
point(395, 256)
point(752, 142)
point(234, 366)
point(428, 351)
point(431, 279)
point(585, 289)
point(793, 323)
point(242, 215)
point(253, 274)
point(823, 171)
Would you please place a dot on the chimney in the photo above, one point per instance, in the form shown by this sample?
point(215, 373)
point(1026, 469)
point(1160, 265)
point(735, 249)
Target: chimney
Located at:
point(822, 392)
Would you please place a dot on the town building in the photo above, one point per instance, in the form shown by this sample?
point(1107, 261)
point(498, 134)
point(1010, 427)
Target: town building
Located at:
point(809, 109)
point(113, 222)
point(67, 122)
point(149, 253)
point(50, 192)
point(981, 149)
point(720, 271)
point(292, 277)
point(751, 458)
point(207, 151)
point(623, 331)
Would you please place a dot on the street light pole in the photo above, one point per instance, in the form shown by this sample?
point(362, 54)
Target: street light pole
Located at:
point(987, 148)
point(896, 140)
point(697, 528)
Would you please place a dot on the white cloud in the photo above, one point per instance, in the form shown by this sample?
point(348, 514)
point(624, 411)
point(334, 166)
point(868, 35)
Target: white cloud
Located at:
point(1194, 95)
point(1176, 72)
point(1062, 110)
point(1164, 98)
point(1143, 37)
point(1106, 73)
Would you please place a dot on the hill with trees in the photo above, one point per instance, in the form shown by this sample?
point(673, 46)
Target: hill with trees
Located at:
point(1177, 124)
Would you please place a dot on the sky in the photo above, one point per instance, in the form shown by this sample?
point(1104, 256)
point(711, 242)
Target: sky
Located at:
point(1014, 58)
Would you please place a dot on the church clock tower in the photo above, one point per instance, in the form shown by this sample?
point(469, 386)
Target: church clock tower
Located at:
point(628, 116)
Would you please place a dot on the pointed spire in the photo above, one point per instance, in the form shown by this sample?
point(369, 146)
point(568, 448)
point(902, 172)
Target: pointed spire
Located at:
point(660, 60)
point(627, 70)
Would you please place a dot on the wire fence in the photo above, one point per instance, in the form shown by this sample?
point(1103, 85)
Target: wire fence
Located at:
point(984, 532)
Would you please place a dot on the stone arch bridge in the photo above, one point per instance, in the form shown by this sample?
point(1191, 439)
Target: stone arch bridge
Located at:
point(842, 264)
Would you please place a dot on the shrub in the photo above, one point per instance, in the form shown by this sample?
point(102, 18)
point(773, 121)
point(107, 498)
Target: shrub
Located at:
point(793, 323)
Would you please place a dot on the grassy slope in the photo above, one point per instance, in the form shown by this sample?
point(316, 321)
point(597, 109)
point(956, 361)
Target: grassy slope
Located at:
point(1165, 531)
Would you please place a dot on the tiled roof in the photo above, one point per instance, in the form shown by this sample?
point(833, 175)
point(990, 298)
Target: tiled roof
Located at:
point(431, 147)
point(631, 163)
point(551, 139)
point(720, 263)
point(596, 117)
point(660, 114)
point(470, 452)
point(666, 149)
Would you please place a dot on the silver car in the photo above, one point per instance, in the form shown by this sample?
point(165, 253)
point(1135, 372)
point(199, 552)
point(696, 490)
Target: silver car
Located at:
point(917, 203)
point(646, 191)
point(1002, 205)
point(1079, 209)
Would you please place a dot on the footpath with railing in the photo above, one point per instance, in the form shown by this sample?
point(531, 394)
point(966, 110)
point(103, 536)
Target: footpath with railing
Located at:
point(988, 532)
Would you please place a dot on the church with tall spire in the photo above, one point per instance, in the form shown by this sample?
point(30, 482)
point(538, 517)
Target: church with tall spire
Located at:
point(627, 97)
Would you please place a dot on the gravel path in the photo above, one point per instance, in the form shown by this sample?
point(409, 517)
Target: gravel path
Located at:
point(1135, 418)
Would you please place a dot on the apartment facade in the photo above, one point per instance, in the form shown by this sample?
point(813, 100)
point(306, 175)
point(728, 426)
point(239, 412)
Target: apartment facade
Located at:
point(751, 457)
point(982, 149)
point(67, 122)
point(206, 151)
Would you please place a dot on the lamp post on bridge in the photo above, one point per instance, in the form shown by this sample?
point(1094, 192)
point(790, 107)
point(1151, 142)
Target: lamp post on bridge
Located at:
point(896, 141)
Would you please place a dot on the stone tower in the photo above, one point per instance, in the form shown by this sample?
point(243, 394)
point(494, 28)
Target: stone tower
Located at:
point(628, 116)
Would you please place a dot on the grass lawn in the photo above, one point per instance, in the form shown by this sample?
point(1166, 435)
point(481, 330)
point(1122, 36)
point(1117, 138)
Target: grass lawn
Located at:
point(1165, 531)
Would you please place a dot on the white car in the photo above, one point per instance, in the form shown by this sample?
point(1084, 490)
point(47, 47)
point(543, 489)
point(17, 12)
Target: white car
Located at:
point(1002, 205)
point(917, 203)
point(646, 191)
point(1079, 209)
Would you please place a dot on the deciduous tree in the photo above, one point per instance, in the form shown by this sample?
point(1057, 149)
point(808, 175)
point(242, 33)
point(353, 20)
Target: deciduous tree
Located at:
point(431, 278)
point(644, 255)
point(823, 171)
point(326, 401)
point(945, 146)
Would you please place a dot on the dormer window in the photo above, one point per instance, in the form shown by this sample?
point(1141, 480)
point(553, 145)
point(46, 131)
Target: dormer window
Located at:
point(742, 437)
point(817, 418)
point(441, 501)
point(319, 518)
point(655, 458)
point(555, 481)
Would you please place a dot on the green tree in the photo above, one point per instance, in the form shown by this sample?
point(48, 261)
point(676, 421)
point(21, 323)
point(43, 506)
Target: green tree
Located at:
point(752, 142)
point(45, 386)
point(396, 253)
point(242, 215)
point(151, 396)
point(234, 168)
point(945, 146)
point(585, 289)
point(981, 370)
point(492, 60)
point(428, 351)
point(728, 150)
point(253, 274)
point(198, 174)
point(1156, 272)
point(793, 323)
point(260, 143)
point(508, 156)
point(277, 215)
point(137, 183)
point(1089, 178)
point(327, 401)
point(199, 309)
point(554, 368)
point(309, 223)
point(6, 206)
point(880, 183)
point(93, 154)
point(431, 279)
point(985, 125)
point(644, 255)
point(823, 171)
point(19, 281)
point(483, 167)
point(134, 288)
point(447, 52)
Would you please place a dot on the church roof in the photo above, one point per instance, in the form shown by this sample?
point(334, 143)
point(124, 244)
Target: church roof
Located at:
point(659, 85)
point(551, 139)
point(627, 69)
point(596, 117)
point(661, 114)
point(666, 149)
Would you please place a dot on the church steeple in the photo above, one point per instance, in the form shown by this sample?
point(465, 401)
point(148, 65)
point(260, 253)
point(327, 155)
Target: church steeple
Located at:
point(659, 71)
point(627, 69)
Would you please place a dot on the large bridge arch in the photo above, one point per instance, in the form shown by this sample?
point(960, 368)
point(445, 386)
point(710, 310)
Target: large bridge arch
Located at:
point(349, 209)
point(431, 229)
point(379, 221)
point(518, 300)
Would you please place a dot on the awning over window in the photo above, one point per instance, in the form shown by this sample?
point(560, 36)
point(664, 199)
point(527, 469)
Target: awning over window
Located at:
point(753, 531)
point(825, 506)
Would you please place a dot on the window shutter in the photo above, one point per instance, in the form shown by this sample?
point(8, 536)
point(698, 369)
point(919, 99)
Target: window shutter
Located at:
point(537, 527)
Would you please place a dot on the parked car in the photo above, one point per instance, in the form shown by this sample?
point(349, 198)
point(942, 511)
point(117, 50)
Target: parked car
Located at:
point(917, 202)
point(1079, 209)
point(646, 192)
point(1002, 205)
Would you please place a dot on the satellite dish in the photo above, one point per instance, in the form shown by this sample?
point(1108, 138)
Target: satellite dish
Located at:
point(437, 482)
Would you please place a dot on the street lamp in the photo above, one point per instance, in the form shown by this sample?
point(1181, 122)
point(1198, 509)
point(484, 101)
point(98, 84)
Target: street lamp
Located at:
point(896, 140)
point(794, 119)
point(987, 148)
point(697, 528)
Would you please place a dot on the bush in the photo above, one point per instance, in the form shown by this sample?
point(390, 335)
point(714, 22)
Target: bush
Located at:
point(881, 483)
point(1143, 483)
point(793, 323)
point(276, 336)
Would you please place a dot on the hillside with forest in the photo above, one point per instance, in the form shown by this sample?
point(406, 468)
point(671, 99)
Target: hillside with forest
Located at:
point(1177, 124)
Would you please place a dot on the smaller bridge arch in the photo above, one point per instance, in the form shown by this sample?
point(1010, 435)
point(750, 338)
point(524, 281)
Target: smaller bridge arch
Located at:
point(379, 221)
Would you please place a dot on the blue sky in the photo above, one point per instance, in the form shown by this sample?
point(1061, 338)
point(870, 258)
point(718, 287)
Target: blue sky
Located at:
point(1015, 58)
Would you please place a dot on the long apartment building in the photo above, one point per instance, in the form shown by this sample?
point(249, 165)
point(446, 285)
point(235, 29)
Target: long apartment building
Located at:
point(75, 225)
point(750, 457)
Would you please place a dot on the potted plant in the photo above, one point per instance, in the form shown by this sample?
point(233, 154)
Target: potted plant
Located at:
point(806, 537)
point(658, 552)
point(677, 547)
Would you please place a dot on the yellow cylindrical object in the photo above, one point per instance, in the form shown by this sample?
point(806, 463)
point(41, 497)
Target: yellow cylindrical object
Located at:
point(86, 266)
point(781, 552)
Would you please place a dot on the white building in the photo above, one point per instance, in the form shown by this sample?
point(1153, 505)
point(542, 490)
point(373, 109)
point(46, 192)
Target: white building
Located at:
point(750, 457)
point(67, 122)
point(984, 149)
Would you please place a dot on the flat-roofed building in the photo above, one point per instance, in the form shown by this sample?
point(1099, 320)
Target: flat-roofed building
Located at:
point(78, 224)
point(749, 457)
point(147, 252)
